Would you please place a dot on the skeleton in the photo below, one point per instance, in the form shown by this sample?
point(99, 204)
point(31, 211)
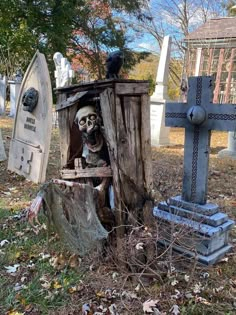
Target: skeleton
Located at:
point(89, 123)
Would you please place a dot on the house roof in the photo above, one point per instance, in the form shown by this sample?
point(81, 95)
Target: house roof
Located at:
point(218, 28)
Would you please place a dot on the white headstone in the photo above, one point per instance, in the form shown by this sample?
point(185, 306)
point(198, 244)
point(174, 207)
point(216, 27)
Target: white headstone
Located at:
point(160, 133)
point(3, 156)
point(63, 72)
point(3, 88)
point(14, 92)
point(29, 148)
point(231, 149)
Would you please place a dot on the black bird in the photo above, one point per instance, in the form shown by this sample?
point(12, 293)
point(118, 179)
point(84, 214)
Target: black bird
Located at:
point(114, 63)
point(184, 85)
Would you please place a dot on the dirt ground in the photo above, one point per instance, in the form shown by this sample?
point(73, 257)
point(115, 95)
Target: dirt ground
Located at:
point(16, 193)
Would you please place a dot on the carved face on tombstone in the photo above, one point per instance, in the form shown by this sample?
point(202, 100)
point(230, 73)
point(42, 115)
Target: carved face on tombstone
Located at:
point(30, 99)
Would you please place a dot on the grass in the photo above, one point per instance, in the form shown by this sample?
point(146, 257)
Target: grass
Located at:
point(39, 286)
point(27, 249)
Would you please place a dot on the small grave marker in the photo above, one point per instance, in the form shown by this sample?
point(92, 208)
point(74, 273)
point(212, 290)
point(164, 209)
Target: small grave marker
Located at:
point(230, 152)
point(3, 156)
point(3, 87)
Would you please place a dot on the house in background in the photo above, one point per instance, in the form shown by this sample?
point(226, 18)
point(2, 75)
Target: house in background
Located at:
point(211, 50)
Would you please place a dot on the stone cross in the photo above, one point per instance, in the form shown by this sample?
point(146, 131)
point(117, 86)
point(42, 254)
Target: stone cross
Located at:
point(63, 72)
point(199, 116)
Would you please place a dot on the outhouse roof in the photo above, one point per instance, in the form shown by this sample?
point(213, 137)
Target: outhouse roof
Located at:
point(218, 28)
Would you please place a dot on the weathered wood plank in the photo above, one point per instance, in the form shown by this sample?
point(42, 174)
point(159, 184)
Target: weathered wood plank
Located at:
point(64, 131)
point(146, 142)
point(131, 88)
point(108, 107)
point(85, 173)
point(129, 149)
point(70, 100)
point(96, 85)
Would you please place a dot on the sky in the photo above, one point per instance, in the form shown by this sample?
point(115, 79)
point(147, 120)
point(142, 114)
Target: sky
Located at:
point(164, 12)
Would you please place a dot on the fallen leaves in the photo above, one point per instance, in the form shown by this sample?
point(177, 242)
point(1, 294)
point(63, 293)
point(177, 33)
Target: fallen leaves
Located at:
point(74, 261)
point(4, 242)
point(149, 305)
point(12, 269)
point(197, 288)
point(93, 309)
point(14, 312)
point(60, 262)
point(139, 246)
point(75, 288)
point(175, 310)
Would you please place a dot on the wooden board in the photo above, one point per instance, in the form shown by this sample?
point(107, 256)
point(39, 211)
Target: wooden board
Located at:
point(29, 148)
point(86, 173)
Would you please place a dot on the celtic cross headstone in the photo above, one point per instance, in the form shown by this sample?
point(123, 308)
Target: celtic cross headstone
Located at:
point(199, 116)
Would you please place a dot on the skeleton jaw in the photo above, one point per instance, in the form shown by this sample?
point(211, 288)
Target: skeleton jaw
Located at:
point(95, 144)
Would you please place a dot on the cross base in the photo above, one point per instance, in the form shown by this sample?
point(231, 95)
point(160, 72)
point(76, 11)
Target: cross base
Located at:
point(227, 153)
point(200, 231)
point(206, 260)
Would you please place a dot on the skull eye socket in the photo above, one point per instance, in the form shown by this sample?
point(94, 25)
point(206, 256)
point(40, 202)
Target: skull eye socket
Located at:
point(92, 117)
point(82, 122)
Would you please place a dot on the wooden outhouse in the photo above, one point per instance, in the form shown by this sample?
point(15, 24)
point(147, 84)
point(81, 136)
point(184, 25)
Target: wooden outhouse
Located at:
point(211, 50)
point(125, 111)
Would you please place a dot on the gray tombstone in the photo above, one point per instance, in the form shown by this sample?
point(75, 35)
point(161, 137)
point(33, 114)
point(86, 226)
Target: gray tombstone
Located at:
point(3, 88)
point(14, 92)
point(3, 156)
point(159, 132)
point(29, 147)
point(231, 149)
point(199, 116)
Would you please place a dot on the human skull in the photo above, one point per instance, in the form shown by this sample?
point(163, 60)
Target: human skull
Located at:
point(87, 119)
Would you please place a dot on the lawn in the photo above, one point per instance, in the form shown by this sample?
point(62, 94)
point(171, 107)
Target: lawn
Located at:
point(39, 276)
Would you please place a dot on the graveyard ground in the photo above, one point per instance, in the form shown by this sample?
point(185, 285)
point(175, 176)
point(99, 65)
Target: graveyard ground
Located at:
point(38, 275)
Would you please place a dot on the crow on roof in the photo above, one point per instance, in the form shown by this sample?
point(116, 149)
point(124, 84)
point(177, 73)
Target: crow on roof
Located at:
point(114, 63)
